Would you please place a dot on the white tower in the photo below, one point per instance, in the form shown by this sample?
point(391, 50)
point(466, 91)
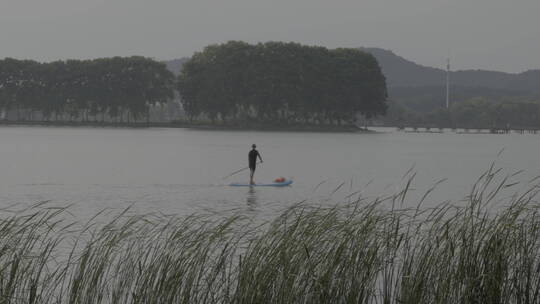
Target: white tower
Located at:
point(448, 84)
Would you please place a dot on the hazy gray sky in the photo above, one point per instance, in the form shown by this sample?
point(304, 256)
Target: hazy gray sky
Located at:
point(488, 34)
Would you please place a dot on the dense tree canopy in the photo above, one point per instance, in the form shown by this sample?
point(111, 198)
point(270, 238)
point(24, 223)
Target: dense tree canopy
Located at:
point(271, 83)
point(111, 87)
point(482, 112)
point(282, 82)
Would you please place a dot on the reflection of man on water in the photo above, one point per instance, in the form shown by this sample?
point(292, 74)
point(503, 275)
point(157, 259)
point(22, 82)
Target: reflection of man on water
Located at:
point(253, 154)
point(252, 199)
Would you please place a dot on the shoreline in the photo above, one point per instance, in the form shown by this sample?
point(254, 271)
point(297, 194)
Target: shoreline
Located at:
point(193, 126)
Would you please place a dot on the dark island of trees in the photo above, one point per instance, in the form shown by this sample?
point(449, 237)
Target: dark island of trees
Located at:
point(229, 84)
point(282, 83)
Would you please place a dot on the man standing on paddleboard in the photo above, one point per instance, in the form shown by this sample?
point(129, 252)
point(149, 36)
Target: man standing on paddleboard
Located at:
point(253, 154)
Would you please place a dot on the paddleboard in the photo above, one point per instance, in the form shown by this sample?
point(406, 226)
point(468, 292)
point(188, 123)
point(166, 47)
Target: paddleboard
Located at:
point(282, 184)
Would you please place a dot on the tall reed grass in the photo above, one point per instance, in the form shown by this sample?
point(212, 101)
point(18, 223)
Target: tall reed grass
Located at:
point(369, 251)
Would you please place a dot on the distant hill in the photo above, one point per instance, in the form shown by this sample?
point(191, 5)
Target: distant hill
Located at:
point(401, 72)
point(529, 80)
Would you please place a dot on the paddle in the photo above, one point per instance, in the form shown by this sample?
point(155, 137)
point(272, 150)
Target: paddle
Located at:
point(236, 172)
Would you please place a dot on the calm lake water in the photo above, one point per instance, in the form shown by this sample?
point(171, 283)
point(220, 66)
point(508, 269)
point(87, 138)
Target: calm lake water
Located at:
point(179, 171)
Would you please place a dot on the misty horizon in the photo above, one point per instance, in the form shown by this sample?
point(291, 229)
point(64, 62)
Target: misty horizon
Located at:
point(487, 35)
point(366, 49)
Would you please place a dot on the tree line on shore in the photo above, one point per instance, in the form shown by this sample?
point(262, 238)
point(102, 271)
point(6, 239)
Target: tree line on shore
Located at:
point(238, 83)
point(477, 112)
point(116, 89)
point(234, 82)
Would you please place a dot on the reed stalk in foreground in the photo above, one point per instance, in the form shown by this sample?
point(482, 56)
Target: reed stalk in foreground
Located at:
point(369, 251)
